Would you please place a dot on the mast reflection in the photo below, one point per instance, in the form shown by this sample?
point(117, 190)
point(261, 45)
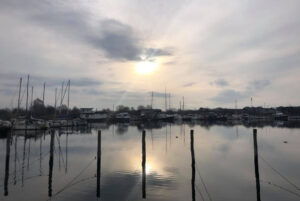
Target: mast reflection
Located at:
point(7, 160)
point(51, 164)
point(193, 166)
point(144, 165)
point(256, 164)
point(98, 164)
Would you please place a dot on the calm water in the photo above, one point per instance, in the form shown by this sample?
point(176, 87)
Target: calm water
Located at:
point(223, 167)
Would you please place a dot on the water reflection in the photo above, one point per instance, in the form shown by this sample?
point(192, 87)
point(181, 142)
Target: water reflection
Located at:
point(193, 166)
point(7, 160)
point(98, 164)
point(144, 164)
point(256, 164)
point(51, 164)
point(84, 164)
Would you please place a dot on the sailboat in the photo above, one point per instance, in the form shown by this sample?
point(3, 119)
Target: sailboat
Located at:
point(28, 122)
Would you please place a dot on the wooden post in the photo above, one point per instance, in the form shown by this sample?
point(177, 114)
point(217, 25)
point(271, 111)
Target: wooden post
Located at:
point(7, 164)
point(256, 164)
point(144, 164)
point(51, 164)
point(193, 166)
point(98, 164)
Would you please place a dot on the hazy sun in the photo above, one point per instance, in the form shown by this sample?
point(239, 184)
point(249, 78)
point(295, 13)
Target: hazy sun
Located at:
point(146, 67)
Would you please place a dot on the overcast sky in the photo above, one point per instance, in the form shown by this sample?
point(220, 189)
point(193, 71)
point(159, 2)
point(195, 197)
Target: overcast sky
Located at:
point(213, 52)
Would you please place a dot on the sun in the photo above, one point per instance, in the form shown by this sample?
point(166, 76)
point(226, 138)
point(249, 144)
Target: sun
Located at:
point(146, 67)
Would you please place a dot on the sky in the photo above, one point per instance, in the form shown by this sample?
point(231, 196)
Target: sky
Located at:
point(212, 52)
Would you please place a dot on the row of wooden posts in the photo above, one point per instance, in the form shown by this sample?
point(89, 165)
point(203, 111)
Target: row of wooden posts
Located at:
point(193, 162)
point(192, 165)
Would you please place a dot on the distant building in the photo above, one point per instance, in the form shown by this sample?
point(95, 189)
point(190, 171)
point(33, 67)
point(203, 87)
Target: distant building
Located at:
point(92, 116)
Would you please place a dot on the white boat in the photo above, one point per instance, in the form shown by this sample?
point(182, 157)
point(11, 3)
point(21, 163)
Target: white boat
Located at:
point(31, 124)
point(123, 117)
point(93, 116)
point(279, 116)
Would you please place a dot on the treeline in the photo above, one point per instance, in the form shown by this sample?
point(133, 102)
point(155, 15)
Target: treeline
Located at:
point(257, 111)
point(39, 110)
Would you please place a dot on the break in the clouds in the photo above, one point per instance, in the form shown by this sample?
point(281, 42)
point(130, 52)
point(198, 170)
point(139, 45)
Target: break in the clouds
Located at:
point(210, 51)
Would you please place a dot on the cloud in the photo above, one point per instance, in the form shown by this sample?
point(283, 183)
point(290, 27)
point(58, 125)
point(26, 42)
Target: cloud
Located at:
point(230, 95)
point(118, 40)
point(258, 85)
point(189, 84)
point(85, 82)
point(8, 91)
point(152, 53)
point(220, 43)
point(157, 94)
point(220, 82)
point(11, 81)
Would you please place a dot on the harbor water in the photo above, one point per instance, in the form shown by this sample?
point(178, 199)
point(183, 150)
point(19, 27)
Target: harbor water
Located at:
point(168, 163)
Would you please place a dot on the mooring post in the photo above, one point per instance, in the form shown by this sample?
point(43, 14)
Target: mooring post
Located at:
point(51, 164)
point(193, 166)
point(144, 164)
point(98, 164)
point(7, 161)
point(256, 164)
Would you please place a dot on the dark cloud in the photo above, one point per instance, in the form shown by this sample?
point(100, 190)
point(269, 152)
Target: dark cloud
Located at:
point(189, 84)
point(118, 40)
point(151, 53)
point(157, 94)
point(220, 82)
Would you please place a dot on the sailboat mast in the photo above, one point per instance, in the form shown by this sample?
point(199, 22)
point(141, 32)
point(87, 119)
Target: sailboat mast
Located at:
point(55, 101)
point(31, 102)
point(169, 101)
point(44, 93)
point(166, 105)
point(27, 94)
point(152, 100)
point(69, 83)
point(19, 98)
point(61, 97)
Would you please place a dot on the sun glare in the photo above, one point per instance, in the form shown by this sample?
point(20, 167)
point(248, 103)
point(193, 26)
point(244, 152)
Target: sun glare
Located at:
point(148, 168)
point(146, 67)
